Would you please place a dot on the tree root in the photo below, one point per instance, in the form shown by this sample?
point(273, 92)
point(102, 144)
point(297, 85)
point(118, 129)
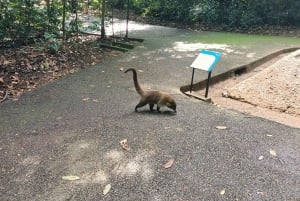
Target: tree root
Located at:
point(5, 97)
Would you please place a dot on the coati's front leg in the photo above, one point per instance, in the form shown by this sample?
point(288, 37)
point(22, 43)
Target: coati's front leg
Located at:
point(151, 105)
point(140, 104)
point(158, 108)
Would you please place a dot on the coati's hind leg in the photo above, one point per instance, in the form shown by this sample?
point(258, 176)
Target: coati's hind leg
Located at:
point(140, 104)
point(158, 108)
point(151, 105)
point(160, 104)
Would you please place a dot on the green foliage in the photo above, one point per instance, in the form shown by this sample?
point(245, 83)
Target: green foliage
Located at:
point(25, 21)
point(231, 13)
point(52, 43)
point(94, 4)
point(173, 10)
point(248, 13)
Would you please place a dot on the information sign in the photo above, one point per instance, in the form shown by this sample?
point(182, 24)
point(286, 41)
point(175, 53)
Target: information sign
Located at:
point(206, 61)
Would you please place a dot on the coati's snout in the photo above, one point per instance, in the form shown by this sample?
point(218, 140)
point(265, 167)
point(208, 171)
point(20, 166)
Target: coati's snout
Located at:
point(172, 105)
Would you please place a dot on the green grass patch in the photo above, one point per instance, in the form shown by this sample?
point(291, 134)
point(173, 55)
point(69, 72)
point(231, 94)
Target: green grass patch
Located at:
point(240, 39)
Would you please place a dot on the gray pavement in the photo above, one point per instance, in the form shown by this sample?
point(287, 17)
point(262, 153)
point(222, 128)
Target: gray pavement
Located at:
point(73, 126)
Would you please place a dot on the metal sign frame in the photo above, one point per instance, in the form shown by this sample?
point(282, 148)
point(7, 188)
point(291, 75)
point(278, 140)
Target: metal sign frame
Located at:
point(206, 61)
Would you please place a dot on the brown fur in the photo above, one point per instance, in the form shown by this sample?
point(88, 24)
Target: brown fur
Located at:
point(152, 97)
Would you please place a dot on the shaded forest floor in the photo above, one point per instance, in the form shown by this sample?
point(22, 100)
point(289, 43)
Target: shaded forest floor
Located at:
point(25, 68)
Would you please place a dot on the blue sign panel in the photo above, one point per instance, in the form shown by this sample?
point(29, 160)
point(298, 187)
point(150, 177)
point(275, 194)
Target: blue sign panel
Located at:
point(206, 60)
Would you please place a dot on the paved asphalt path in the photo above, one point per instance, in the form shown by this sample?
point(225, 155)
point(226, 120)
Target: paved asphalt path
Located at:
point(73, 126)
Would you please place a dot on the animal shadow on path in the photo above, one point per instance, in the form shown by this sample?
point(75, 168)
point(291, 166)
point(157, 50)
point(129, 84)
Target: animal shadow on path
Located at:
point(149, 112)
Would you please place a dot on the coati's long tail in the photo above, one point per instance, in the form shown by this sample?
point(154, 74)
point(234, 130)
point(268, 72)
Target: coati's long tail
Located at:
point(135, 80)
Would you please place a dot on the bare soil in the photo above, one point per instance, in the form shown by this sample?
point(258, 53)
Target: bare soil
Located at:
point(270, 91)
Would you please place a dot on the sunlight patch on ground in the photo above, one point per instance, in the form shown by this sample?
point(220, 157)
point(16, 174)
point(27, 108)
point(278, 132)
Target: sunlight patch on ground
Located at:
point(250, 55)
point(188, 47)
point(136, 166)
point(92, 24)
point(32, 160)
point(98, 177)
point(84, 145)
point(114, 155)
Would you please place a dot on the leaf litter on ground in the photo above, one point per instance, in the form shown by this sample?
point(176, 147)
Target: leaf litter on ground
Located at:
point(273, 152)
point(169, 163)
point(260, 158)
point(35, 65)
point(106, 189)
point(222, 192)
point(221, 127)
point(70, 178)
point(124, 144)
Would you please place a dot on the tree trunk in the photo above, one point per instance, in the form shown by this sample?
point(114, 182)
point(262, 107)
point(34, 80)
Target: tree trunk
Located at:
point(64, 21)
point(127, 18)
point(103, 19)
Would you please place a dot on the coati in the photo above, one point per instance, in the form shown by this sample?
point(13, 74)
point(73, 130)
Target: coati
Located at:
point(151, 97)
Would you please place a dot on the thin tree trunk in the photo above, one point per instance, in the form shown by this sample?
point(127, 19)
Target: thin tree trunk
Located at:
point(127, 18)
point(64, 20)
point(103, 19)
point(76, 18)
point(48, 14)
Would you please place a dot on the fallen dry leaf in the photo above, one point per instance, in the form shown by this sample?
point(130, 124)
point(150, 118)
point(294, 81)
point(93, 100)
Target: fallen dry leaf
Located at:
point(273, 152)
point(59, 118)
point(70, 178)
point(6, 62)
point(222, 192)
point(1, 80)
point(106, 189)
point(86, 99)
point(141, 71)
point(260, 158)
point(169, 163)
point(14, 78)
point(124, 144)
point(221, 127)
point(121, 69)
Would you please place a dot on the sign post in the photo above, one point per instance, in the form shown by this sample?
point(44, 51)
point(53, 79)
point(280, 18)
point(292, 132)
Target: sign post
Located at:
point(206, 61)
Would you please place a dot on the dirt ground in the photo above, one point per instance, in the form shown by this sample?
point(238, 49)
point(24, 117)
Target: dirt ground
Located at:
point(269, 91)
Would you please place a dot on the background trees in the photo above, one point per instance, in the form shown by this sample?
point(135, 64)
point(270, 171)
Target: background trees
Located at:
point(233, 13)
point(22, 21)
